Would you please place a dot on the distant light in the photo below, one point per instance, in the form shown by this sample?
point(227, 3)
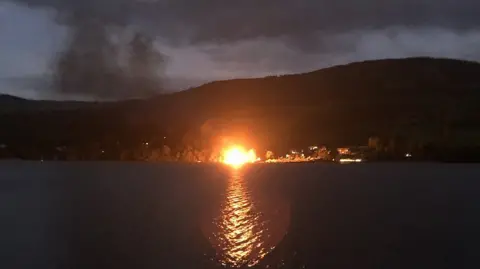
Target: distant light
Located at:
point(164, 137)
point(343, 150)
point(408, 155)
point(350, 160)
point(146, 143)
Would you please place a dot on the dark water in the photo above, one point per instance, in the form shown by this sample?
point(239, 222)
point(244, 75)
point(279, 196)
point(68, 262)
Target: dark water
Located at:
point(111, 215)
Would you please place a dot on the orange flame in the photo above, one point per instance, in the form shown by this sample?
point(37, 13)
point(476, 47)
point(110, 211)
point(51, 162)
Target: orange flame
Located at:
point(237, 156)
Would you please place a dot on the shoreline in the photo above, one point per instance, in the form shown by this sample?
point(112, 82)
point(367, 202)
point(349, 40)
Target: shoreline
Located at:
point(261, 162)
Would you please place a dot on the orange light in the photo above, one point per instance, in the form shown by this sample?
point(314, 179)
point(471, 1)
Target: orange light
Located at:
point(237, 156)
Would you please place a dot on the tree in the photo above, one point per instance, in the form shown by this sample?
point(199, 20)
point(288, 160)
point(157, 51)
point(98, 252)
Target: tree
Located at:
point(188, 155)
point(166, 152)
point(323, 153)
point(269, 155)
point(155, 156)
point(374, 143)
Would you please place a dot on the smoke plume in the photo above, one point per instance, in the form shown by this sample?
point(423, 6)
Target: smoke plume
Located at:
point(98, 61)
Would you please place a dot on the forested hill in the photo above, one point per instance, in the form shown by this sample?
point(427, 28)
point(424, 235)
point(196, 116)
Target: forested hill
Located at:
point(420, 99)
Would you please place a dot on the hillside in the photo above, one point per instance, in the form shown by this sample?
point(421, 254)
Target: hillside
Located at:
point(367, 98)
point(11, 104)
point(420, 99)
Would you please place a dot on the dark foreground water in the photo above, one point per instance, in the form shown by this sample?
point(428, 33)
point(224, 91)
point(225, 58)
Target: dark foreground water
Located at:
point(117, 215)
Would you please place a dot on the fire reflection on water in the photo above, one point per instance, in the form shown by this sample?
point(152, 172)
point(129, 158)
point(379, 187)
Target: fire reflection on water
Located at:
point(241, 233)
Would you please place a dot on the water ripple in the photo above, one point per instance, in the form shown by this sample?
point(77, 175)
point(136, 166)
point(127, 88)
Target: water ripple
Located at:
point(241, 229)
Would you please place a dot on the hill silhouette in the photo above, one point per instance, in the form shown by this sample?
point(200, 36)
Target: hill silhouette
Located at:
point(418, 100)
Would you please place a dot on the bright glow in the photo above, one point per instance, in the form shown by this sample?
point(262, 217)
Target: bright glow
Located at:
point(350, 160)
point(343, 150)
point(408, 155)
point(237, 156)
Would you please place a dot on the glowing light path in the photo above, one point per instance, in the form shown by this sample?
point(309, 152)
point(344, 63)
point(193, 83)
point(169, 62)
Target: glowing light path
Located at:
point(242, 232)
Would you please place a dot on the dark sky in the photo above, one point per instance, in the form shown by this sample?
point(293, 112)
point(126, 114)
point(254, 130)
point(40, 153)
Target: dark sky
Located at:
point(212, 39)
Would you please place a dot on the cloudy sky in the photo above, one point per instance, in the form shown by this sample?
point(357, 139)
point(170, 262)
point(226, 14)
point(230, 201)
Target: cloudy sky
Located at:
point(217, 39)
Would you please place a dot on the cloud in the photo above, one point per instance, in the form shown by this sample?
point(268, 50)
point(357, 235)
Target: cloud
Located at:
point(213, 39)
point(306, 25)
point(265, 56)
point(26, 38)
point(226, 21)
point(28, 41)
point(213, 21)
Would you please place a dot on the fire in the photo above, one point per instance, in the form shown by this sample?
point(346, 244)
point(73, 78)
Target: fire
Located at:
point(237, 156)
